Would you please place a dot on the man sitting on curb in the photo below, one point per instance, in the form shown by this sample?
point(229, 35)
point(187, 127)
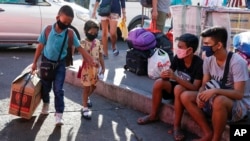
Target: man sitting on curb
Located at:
point(222, 104)
point(184, 74)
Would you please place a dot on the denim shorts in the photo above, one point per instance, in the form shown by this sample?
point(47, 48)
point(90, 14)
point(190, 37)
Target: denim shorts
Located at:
point(239, 110)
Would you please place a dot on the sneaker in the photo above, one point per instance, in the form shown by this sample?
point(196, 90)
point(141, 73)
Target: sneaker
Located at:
point(59, 119)
point(89, 103)
point(86, 113)
point(45, 109)
point(115, 52)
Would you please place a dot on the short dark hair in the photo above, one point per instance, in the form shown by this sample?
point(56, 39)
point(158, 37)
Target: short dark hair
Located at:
point(217, 33)
point(67, 10)
point(190, 39)
point(90, 24)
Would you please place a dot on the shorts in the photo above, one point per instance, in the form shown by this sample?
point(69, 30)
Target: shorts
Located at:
point(239, 111)
point(161, 19)
point(166, 95)
point(112, 16)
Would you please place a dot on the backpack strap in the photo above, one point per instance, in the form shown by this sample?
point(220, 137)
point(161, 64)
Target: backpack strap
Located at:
point(70, 49)
point(226, 70)
point(47, 31)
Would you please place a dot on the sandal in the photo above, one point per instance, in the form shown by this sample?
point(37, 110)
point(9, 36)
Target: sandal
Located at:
point(145, 120)
point(86, 114)
point(178, 135)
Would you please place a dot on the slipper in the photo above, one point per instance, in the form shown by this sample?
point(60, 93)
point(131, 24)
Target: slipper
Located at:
point(178, 135)
point(145, 120)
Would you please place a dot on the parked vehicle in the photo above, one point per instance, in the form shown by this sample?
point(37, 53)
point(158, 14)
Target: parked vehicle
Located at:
point(23, 20)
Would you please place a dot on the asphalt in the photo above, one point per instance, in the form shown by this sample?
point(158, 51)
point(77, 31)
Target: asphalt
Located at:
point(118, 101)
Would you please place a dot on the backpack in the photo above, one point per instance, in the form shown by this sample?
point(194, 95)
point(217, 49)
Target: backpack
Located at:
point(146, 3)
point(70, 49)
point(241, 42)
point(141, 39)
point(164, 43)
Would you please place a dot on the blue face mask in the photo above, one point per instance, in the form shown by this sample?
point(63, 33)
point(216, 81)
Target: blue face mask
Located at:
point(208, 50)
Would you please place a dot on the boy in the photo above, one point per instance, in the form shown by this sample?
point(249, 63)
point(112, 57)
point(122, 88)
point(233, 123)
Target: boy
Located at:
point(50, 49)
point(222, 104)
point(184, 74)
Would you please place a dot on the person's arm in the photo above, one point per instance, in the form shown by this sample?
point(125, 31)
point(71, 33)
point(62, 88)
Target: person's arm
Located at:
point(154, 9)
point(38, 52)
point(123, 6)
point(102, 63)
point(86, 56)
point(95, 9)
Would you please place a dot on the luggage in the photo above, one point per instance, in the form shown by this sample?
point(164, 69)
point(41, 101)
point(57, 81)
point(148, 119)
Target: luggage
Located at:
point(164, 43)
point(25, 95)
point(241, 42)
point(141, 39)
point(137, 61)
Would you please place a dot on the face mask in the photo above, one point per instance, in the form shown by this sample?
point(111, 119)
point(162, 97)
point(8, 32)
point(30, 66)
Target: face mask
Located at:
point(91, 37)
point(208, 50)
point(61, 25)
point(181, 53)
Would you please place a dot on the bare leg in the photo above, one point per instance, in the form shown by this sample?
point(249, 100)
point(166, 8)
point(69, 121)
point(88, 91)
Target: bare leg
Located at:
point(85, 95)
point(159, 85)
point(222, 107)
point(188, 99)
point(113, 33)
point(105, 25)
point(178, 107)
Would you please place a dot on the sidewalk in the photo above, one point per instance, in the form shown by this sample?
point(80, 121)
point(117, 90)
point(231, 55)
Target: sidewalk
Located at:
point(133, 91)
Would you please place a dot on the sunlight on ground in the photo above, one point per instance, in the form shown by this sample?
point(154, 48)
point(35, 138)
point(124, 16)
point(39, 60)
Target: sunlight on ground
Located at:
point(100, 121)
point(119, 75)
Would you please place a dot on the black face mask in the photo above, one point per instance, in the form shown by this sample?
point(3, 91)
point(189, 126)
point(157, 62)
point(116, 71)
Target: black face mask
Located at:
point(90, 36)
point(61, 25)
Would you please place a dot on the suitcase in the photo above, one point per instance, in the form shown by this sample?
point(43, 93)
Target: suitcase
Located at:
point(137, 61)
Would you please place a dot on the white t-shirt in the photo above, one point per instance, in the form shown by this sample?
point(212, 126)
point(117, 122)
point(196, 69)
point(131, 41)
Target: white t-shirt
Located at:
point(238, 71)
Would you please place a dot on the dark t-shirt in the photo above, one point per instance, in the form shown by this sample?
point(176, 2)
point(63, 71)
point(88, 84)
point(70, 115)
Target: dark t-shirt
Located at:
point(195, 71)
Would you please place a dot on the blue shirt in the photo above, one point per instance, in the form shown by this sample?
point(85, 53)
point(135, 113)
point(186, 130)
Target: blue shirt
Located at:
point(53, 45)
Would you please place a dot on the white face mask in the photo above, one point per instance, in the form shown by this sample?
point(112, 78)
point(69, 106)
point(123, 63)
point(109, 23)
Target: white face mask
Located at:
point(181, 53)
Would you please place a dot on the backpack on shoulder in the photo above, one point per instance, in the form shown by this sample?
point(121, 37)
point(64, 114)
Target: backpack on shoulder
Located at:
point(70, 49)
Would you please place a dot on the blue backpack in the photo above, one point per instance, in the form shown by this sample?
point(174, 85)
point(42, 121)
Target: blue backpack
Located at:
point(141, 39)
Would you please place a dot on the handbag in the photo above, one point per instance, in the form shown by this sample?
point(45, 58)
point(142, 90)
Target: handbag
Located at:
point(157, 63)
point(123, 27)
point(47, 67)
point(105, 8)
point(220, 84)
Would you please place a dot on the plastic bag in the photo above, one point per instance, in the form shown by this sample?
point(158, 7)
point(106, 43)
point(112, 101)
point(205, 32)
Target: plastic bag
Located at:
point(157, 63)
point(123, 27)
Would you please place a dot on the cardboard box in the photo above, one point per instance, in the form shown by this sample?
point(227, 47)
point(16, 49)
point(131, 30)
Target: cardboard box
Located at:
point(25, 95)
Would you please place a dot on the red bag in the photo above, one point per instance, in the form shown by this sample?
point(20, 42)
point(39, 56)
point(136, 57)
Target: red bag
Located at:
point(152, 27)
point(169, 35)
point(79, 72)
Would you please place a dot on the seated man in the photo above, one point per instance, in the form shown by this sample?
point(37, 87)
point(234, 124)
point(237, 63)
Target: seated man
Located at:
point(227, 104)
point(185, 73)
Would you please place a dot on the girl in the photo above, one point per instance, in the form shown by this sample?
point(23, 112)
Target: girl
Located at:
point(89, 74)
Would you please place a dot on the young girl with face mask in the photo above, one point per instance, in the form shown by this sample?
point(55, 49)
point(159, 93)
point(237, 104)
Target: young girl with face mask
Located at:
point(90, 74)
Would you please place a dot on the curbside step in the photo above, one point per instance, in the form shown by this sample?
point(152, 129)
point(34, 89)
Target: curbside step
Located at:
point(139, 100)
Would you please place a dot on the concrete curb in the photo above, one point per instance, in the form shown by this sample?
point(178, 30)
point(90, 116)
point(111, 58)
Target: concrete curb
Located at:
point(139, 100)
